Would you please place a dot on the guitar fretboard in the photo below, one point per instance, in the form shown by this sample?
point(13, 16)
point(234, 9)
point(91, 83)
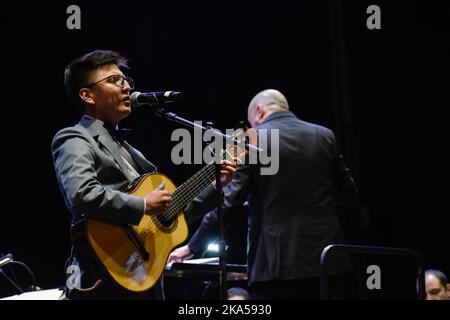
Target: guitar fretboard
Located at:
point(192, 187)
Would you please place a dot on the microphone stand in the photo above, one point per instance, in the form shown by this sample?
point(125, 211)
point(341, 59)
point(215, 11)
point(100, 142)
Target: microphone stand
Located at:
point(161, 112)
point(222, 244)
point(9, 260)
point(4, 261)
point(11, 281)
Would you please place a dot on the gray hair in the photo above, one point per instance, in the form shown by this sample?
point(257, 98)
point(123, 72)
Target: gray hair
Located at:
point(273, 100)
point(438, 274)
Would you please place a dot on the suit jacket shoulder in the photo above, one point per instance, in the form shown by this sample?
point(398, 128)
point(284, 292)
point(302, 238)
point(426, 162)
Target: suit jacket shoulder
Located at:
point(91, 176)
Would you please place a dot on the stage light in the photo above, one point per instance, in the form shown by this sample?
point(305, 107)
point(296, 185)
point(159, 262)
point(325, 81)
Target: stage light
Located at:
point(214, 247)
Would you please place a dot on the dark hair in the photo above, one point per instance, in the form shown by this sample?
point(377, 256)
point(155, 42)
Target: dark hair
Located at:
point(235, 291)
point(438, 274)
point(77, 73)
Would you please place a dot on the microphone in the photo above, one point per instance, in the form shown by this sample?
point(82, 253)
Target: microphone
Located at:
point(154, 98)
point(6, 259)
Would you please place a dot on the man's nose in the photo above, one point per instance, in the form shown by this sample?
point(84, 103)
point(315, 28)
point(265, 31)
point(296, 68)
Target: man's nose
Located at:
point(126, 86)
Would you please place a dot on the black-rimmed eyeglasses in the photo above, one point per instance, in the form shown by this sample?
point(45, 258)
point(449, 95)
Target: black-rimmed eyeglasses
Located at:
point(117, 79)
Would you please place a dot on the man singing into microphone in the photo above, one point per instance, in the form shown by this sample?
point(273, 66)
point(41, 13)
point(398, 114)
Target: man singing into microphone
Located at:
point(93, 164)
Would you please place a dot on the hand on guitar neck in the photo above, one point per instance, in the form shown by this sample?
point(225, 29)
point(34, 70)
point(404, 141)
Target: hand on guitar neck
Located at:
point(227, 172)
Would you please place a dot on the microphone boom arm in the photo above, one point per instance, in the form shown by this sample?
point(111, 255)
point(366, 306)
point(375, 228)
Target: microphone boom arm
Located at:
point(162, 113)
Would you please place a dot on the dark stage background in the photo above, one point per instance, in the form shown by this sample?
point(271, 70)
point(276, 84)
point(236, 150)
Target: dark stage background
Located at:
point(384, 92)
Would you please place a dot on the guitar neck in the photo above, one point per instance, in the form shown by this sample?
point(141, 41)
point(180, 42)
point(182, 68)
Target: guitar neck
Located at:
point(191, 188)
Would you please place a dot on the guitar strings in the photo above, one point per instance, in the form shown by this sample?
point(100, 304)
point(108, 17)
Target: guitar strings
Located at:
point(188, 190)
point(193, 186)
point(202, 179)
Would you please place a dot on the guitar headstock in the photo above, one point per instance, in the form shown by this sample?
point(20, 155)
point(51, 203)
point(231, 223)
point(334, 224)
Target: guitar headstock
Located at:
point(237, 144)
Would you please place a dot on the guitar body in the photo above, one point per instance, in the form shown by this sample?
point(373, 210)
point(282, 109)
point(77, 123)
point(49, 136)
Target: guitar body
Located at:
point(120, 255)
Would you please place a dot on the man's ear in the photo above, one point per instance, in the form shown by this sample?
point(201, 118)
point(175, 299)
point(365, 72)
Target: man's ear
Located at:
point(86, 95)
point(260, 112)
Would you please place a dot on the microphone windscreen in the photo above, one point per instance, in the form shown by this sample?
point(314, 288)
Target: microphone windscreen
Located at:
point(134, 99)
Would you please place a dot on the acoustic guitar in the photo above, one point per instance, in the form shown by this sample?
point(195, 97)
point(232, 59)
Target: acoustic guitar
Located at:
point(135, 256)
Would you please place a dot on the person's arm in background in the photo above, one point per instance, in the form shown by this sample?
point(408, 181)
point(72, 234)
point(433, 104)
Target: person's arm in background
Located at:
point(207, 199)
point(235, 195)
point(197, 243)
point(346, 189)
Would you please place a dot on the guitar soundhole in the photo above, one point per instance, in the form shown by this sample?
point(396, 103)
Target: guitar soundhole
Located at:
point(165, 223)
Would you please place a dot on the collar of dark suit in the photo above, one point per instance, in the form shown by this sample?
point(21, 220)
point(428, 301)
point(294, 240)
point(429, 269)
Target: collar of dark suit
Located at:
point(93, 126)
point(98, 128)
point(278, 114)
point(119, 134)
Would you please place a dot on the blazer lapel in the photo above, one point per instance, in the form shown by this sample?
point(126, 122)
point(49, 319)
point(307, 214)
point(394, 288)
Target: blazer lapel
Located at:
point(96, 129)
point(111, 146)
point(143, 163)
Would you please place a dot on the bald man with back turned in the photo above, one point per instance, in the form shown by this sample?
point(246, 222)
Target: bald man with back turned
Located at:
point(292, 211)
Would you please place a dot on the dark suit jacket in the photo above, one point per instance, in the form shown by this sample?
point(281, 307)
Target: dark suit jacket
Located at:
point(292, 216)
